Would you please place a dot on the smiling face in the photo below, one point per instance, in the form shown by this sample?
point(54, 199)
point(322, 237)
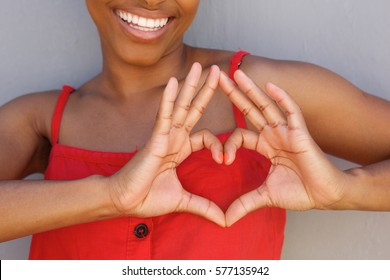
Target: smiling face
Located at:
point(140, 32)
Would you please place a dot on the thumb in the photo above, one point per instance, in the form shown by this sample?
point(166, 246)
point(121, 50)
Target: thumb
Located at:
point(202, 207)
point(245, 204)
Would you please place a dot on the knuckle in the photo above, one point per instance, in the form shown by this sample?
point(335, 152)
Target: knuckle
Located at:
point(201, 109)
point(178, 125)
point(188, 128)
point(246, 111)
point(185, 107)
point(264, 107)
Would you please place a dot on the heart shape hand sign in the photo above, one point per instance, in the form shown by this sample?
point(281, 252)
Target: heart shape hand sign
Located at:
point(299, 177)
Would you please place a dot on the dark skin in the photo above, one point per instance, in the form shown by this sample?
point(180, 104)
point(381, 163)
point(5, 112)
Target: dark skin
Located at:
point(341, 119)
point(120, 114)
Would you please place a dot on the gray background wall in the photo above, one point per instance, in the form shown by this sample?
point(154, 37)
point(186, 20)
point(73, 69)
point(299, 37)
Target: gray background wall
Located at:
point(44, 44)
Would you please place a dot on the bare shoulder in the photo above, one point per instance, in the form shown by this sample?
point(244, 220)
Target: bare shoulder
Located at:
point(291, 74)
point(32, 99)
point(343, 119)
point(25, 128)
point(35, 108)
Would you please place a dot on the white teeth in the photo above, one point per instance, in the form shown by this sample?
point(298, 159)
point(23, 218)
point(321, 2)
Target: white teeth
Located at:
point(134, 20)
point(141, 23)
point(150, 23)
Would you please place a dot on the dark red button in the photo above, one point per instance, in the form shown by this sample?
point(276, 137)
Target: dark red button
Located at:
point(141, 231)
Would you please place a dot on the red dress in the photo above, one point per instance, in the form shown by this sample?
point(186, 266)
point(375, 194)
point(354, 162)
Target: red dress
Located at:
point(259, 235)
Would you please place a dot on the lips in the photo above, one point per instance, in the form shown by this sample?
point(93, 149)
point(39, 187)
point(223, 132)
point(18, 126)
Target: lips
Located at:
point(142, 23)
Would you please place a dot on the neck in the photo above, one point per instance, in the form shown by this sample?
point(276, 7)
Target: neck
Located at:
point(123, 80)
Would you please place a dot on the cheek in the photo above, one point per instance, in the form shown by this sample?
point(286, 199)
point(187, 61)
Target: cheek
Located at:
point(189, 10)
point(190, 4)
point(189, 7)
point(101, 15)
point(93, 7)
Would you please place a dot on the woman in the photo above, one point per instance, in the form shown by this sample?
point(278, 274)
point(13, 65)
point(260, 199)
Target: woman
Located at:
point(142, 48)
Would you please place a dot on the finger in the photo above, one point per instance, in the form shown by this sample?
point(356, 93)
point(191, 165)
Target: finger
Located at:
point(202, 207)
point(245, 204)
point(203, 98)
point(164, 115)
point(263, 102)
point(239, 138)
point(286, 103)
point(187, 93)
point(206, 139)
point(243, 103)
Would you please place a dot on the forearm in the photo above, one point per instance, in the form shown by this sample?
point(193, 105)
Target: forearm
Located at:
point(368, 188)
point(28, 207)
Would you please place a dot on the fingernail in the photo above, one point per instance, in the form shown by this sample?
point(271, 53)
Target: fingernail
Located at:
point(219, 158)
point(226, 159)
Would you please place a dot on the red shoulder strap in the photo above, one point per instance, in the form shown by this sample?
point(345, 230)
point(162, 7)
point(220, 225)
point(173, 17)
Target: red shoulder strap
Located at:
point(235, 63)
point(58, 110)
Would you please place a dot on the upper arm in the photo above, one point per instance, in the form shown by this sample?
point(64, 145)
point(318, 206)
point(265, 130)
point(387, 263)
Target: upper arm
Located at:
point(24, 130)
point(343, 120)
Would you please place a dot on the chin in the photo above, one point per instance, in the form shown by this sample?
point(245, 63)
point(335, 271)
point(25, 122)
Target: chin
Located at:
point(147, 55)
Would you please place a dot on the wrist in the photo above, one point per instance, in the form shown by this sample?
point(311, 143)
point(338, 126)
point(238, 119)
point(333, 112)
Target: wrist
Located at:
point(102, 186)
point(344, 191)
point(354, 192)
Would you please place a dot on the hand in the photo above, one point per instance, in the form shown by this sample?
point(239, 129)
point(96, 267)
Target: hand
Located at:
point(148, 185)
point(301, 176)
